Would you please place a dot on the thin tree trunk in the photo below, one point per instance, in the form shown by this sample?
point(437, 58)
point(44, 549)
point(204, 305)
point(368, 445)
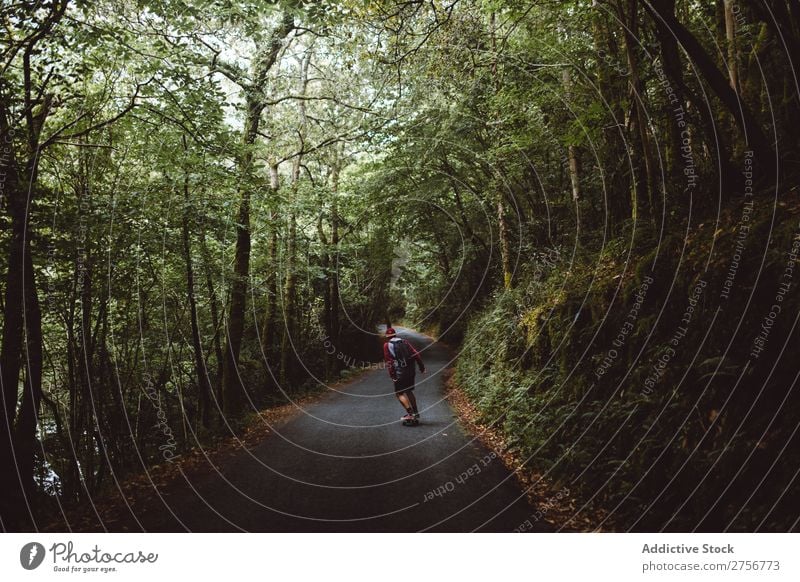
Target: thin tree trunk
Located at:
point(333, 279)
point(203, 385)
point(71, 481)
point(673, 69)
point(325, 264)
point(644, 172)
point(572, 158)
point(89, 404)
point(747, 123)
point(268, 329)
point(215, 321)
point(449, 171)
point(784, 19)
point(505, 251)
point(289, 307)
point(289, 292)
point(730, 36)
point(502, 223)
point(611, 84)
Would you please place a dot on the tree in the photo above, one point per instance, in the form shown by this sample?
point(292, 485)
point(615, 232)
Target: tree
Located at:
point(234, 393)
point(35, 86)
point(748, 125)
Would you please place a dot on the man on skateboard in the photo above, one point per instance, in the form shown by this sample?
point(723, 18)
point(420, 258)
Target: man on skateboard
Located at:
point(399, 356)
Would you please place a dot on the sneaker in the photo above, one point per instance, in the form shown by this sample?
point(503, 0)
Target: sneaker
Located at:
point(408, 418)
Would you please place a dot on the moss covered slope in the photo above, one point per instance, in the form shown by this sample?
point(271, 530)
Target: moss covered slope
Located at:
point(656, 378)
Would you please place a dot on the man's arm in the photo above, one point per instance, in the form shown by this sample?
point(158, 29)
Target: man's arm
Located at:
point(416, 356)
point(387, 357)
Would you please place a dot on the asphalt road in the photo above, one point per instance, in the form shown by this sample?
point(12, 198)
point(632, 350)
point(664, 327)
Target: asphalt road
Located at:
point(347, 464)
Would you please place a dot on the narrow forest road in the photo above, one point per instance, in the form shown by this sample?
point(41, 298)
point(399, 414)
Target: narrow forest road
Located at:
point(346, 463)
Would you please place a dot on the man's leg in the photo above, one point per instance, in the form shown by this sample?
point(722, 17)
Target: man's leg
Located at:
point(413, 401)
point(404, 400)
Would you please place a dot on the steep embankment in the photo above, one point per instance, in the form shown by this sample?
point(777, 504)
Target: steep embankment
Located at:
point(655, 380)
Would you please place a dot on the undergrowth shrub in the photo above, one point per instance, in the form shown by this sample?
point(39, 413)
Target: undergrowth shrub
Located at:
point(672, 424)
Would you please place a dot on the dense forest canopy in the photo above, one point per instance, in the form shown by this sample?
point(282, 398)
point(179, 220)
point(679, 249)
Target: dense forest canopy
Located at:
point(210, 207)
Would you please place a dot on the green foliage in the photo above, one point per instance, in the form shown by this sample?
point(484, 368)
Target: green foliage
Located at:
point(533, 361)
point(475, 168)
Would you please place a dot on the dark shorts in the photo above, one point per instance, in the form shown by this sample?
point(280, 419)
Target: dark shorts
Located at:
point(404, 385)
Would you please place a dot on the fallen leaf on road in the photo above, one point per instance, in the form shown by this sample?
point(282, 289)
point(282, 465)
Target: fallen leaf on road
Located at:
point(553, 503)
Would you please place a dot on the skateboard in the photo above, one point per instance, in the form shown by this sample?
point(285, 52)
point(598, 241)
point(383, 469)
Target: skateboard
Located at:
point(413, 422)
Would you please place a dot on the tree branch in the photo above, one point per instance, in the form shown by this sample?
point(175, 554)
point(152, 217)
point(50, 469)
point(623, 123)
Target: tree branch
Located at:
point(57, 134)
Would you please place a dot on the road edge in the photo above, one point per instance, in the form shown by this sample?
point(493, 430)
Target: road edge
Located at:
point(164, 479)
point(551, 504)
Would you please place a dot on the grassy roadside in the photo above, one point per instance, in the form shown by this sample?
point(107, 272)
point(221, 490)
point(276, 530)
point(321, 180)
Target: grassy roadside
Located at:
point(552, 504)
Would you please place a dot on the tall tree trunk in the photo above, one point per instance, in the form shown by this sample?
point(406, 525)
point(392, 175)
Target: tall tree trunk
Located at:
point(333, 279)
point(71, 481)
point(502, 221)
point(747, 123)
point(12, 508)
point(325, 264)
point(81, 351)
point(11, 348)
point(21, 349)
point(288, 346)
point(20, 294)
point(572, 157)
point(203, 385)
point(784, 19)
point(730, 37)
point(215, 319)
point(25, 434)
point(673, 69)
point(289, 307)
point(330, 266)
point(750, 80)
point(268, 329)
point(88, 404)
point(450, 172)
point(644, 180)
point(673, 72)
point(22, 334)
point(610, 84)
point(234, 392)
point(505, 251)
